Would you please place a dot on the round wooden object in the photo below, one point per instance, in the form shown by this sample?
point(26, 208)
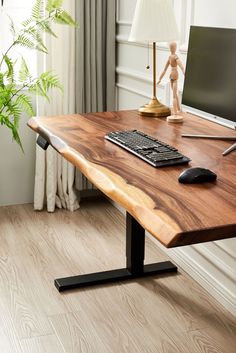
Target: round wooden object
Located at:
point(175, 119)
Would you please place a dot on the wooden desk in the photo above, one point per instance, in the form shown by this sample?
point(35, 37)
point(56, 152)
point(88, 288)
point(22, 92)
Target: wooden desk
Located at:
point(174, 213)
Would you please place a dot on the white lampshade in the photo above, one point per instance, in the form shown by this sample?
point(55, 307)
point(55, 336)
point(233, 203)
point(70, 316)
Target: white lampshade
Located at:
point(154, 21)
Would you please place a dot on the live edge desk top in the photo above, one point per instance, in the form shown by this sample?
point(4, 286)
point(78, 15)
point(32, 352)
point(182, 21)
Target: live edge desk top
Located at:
point(176, 214)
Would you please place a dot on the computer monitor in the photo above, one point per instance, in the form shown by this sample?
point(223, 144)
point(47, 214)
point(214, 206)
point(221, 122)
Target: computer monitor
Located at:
point(210, 78)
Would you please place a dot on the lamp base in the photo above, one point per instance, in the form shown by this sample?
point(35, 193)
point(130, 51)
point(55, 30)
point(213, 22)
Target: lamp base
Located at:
point(154, 109)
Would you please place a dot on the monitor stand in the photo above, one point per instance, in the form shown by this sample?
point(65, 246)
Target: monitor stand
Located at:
point(227, 138)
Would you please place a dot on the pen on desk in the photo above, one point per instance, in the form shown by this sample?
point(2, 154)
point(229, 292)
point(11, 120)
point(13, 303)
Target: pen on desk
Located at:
point(230, 149)
point(227, 138)
point(230, 138)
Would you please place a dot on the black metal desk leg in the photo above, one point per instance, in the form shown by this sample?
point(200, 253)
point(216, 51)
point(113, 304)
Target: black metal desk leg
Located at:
point(135, 245)
point(135, 251)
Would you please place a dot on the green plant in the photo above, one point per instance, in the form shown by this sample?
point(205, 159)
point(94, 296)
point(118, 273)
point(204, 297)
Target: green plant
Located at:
point(16, 88)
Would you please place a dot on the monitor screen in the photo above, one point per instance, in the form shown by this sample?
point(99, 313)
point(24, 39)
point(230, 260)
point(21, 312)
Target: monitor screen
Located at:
point(210, 78)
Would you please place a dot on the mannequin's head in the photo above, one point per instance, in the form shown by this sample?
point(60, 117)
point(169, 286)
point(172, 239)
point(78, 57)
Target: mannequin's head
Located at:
point(173, 47)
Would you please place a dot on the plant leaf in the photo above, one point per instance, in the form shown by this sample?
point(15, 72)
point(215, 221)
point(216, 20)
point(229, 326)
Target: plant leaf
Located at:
point(1, 81)
point(37, 39)
point(16, 137)
point(50, 80)
point(25, 42)
point(24, 73)
point(14, 110)
point(5, 120)
point(24, 102)
point(10, 67)
point(12, 27)
point(53, 4)
point(37, 10)
point(62, 17)
point(27, 22)
point(37, 89)
point(45, 26)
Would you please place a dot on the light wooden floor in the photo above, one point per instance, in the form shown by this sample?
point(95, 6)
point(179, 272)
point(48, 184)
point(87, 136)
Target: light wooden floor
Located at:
point(166, 315)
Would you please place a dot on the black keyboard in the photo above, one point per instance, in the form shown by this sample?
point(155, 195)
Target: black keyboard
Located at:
point(151, 150)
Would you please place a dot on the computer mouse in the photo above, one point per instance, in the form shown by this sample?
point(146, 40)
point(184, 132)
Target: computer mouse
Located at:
point(197, 175)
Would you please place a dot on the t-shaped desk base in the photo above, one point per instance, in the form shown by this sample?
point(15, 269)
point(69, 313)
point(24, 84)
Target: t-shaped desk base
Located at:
point(135, 251)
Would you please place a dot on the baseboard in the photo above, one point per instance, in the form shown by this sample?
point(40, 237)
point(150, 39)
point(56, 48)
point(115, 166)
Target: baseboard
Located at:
point(190, 260)
point(201, 275)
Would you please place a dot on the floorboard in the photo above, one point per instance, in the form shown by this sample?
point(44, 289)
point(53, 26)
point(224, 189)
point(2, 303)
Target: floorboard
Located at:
point(169, 314)
point(44, 344)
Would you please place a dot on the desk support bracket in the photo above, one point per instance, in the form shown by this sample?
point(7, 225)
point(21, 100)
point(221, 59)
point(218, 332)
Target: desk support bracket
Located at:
point(135, 251)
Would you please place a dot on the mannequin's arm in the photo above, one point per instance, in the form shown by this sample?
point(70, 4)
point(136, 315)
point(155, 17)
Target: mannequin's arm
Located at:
point(179, 63)
point(163, 72)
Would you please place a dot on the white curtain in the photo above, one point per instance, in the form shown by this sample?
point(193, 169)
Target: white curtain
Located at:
point(54, 176)
point(84, 59)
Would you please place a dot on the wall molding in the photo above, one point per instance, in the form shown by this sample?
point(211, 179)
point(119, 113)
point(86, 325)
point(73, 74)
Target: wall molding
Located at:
point(124, 23)
point(137, 76)
point(117, 11)
point(137, 92)
point(216, 254)
point(191, 265)
point(122, 39)
point(230, 252)
point(132, 90)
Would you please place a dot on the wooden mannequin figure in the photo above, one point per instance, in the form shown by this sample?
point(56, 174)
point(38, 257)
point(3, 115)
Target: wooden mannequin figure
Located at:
point(174, 62)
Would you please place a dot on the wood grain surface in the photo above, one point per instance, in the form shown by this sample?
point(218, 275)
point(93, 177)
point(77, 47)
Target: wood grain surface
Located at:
point(174, 213)
point(167, 314)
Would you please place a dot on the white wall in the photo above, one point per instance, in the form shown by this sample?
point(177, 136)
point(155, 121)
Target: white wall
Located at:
point(18, 11)
point(16, 168)
point(214, 264)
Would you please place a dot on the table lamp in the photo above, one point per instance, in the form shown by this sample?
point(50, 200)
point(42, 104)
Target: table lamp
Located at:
point(154, 21)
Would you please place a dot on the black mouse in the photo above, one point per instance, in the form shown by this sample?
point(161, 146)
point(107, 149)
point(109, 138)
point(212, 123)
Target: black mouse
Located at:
point(197, 175)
